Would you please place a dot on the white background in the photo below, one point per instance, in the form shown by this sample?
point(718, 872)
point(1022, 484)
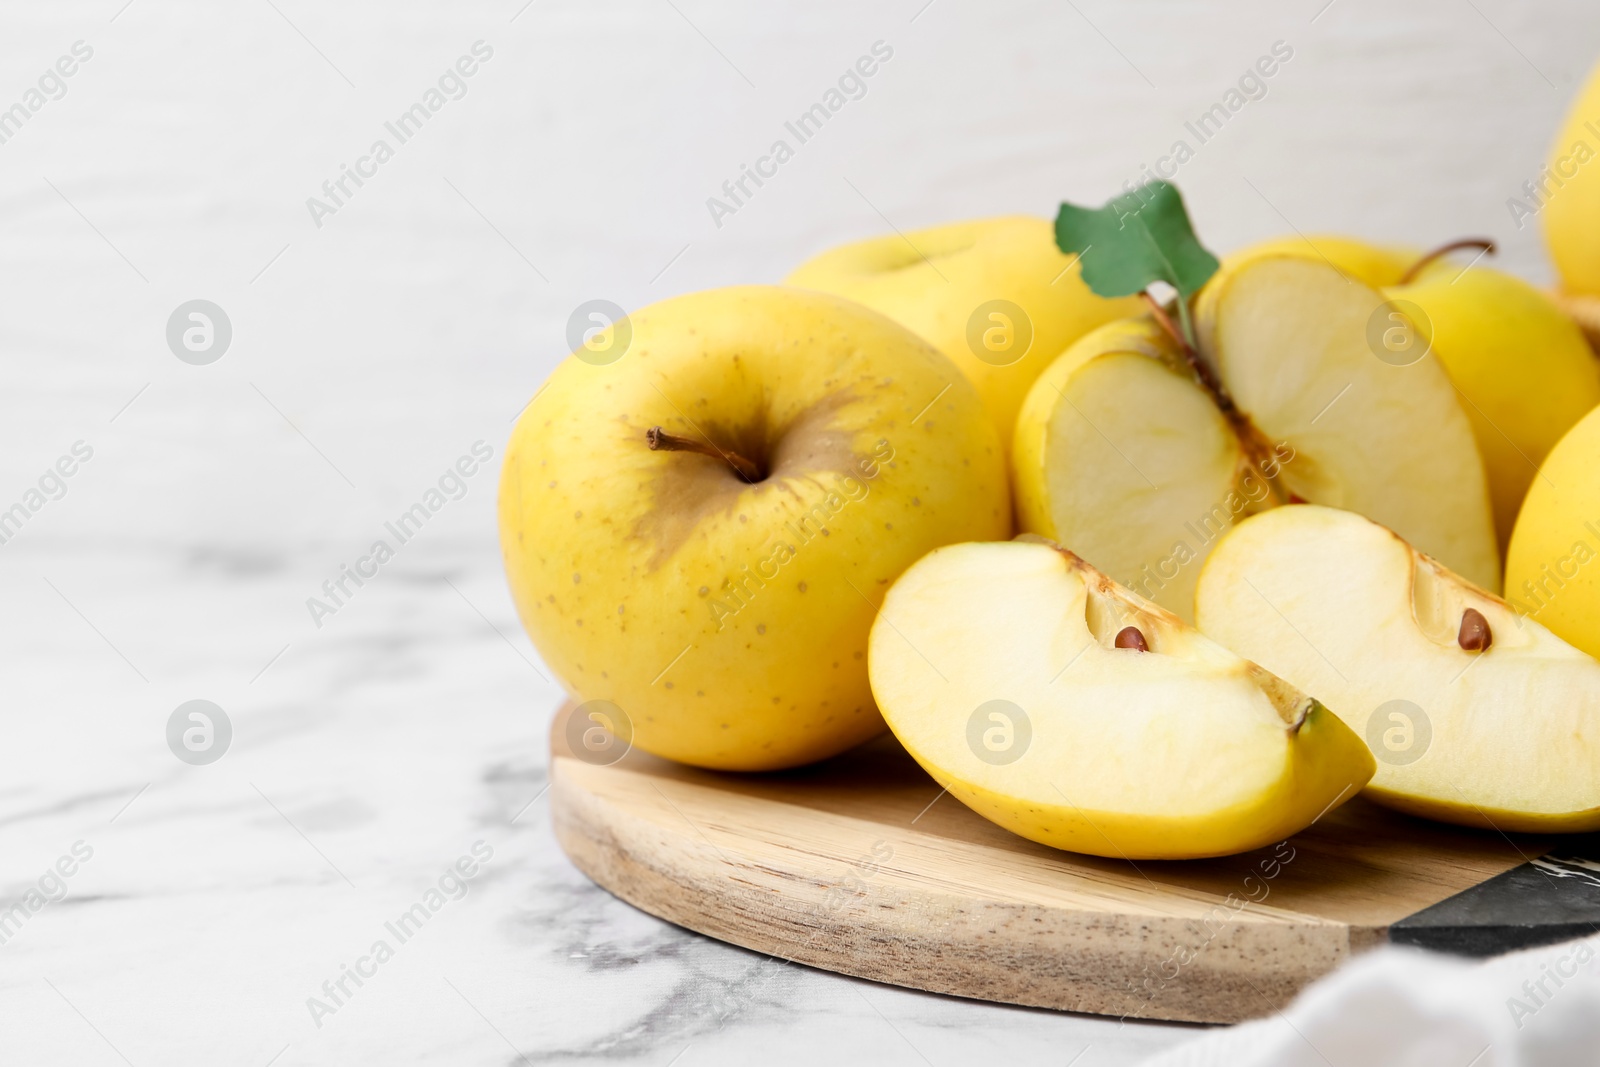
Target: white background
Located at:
point(371, 352)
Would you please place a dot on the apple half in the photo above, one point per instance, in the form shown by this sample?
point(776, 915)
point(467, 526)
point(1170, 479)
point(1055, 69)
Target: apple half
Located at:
point(1476, 715)
point(1521, 366)
point(1067, 709)
point(1138, 458)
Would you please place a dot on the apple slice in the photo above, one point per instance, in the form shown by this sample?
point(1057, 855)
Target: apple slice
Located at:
point(1073, 712)
point(1138, 454)
point(1477, 716)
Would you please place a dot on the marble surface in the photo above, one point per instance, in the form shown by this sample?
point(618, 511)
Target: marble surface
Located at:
point(366, 761)
point(372, 347)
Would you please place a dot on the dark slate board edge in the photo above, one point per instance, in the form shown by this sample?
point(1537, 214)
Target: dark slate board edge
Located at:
point(1549, 900)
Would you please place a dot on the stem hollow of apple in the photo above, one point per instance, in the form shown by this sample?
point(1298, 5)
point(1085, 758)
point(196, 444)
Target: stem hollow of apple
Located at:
point(659, 440)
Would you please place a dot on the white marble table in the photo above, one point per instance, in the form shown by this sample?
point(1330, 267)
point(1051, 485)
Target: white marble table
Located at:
point(365, 762)
point(371, 753)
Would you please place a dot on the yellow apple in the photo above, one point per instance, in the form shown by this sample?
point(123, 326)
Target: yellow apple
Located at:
point(995, 295)
point(1566, 197)
point(703, 508)
point(1551, 569)
point(1522, 367)
point(1065, 708)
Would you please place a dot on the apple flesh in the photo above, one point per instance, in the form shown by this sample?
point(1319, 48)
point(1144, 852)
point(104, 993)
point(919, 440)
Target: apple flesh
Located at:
point(727, 618)
point(1522, 367)
point(1070, 711)
point(1476, 716)
point(1125, 456)
point(1121, 455)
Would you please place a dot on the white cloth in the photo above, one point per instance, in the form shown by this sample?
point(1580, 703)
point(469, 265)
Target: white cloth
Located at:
point(1399, 1007)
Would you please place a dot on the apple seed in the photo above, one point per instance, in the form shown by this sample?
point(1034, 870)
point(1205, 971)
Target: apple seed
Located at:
point(1131, 637)
point(1475, 635)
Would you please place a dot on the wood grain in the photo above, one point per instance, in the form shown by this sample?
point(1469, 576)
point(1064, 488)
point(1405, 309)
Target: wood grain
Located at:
point(860, 866)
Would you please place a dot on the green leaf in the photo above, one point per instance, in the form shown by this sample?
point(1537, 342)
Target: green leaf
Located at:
point(1137, 238)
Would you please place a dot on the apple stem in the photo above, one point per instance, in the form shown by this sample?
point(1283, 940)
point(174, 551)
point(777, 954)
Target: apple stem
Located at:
point(1255, 446)
point(661, 441)
point(1202, 370)
point(1165, 320)
point(1479, 244)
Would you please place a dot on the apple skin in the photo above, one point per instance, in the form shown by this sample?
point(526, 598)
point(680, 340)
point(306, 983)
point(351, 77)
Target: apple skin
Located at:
point(1326, 759)
point(716, 614)
point(1551, 569)
point(969, 264)
point(1571, 211)
point(1522, 366)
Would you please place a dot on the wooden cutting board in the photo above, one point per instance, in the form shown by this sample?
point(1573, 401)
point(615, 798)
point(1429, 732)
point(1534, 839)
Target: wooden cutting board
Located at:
point(861, 865)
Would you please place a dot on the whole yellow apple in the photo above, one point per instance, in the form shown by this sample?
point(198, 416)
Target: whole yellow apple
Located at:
point(1551, 568)
point(703, 509)
point(1524, 371)
point(995, 295)
point(1566, 195)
